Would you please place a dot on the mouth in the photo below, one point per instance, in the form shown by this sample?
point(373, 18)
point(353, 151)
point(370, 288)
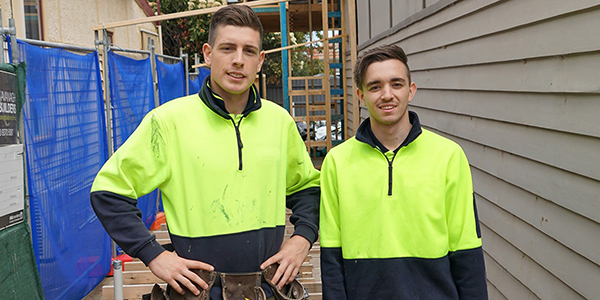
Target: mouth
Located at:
point(236, 75)
point(387, 107)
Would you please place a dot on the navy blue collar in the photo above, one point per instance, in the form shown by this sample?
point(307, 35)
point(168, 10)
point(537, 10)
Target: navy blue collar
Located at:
point(216, 103)
point(365, 133)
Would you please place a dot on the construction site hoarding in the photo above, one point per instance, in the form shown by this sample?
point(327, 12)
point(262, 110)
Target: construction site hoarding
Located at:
point(11, 185)
point(8, 108)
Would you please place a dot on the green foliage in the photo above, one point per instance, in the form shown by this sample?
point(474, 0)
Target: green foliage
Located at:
point(300, 57)
point(191, 33)
point(188, 33)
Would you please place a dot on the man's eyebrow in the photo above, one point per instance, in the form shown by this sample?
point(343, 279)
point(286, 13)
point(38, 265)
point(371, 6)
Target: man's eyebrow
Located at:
point(373, 82)
point(399, 79)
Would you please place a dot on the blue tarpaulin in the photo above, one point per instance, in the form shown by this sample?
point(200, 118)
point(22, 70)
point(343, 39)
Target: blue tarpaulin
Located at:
point(171, 81)
point(65, 148)
point(132, 97)
point(197, 83)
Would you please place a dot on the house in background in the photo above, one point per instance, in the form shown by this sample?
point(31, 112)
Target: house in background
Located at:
point(515, 83)
point(71, 21)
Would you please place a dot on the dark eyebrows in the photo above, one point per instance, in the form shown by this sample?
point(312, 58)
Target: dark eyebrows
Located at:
point(372, 82)
point(247, 46)
point(377, 81)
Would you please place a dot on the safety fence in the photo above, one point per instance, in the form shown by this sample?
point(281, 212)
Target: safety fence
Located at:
point(68, 138)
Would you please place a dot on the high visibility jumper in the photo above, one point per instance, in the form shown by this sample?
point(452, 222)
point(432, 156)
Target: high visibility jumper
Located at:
point(225, 182)
point(408, 229)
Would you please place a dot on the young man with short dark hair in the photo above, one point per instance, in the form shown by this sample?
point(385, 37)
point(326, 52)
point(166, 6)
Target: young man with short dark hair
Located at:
point(227, 163)
point(408, 229)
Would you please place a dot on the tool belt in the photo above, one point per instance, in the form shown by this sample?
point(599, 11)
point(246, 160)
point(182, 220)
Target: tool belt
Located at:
point(235, 286)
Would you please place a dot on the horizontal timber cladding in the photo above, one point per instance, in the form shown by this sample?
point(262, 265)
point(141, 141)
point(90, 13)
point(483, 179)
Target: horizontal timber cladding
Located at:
point(546, 146)
point(571, 268)
point(566, 112)
point(493, 292)
point(525, 270)
point(545, 216)
point(571, 191)
point(497, 275)
point(556, 74)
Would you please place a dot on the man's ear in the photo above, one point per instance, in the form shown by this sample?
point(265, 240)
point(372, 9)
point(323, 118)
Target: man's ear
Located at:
point(412, 91)
point(361, 96)
point(206, 51)
point(261, 61)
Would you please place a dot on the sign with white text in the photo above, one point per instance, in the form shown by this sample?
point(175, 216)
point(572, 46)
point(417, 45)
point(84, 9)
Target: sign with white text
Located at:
point(8, 108)
point(11, 185)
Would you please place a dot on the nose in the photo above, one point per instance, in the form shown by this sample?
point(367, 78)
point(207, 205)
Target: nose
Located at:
point(386, 92)
point(238, 58)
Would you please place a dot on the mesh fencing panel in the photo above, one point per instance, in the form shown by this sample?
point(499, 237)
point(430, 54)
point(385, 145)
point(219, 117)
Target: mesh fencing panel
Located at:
point(132, 98)
point(171, 81)
point(196, 84)
point(66, 147)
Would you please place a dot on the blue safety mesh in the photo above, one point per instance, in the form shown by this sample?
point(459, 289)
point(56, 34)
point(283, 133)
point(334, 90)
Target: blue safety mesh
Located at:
point(196, 84)
point(132, 98)
point(65, 147)
point(171, 81)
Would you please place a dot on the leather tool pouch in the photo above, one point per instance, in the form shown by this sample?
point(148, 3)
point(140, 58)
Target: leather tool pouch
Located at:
point(242, 286)
point(291, 291)
point(208, 277)
point(245, 286)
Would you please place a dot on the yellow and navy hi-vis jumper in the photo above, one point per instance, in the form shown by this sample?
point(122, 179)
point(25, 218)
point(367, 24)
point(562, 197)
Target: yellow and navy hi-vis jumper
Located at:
point(225, 181)
point(399, 224)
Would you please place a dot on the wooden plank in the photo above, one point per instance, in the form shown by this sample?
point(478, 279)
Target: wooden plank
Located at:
point(419, 22)
point(494, 293)
point(577, 193)
point(574, 270)
point(561, 74)
point(178, 15)
point(511, 287)
point(140, 277)
point(160, 234)
point(555, 221)
point(129, 291)
point(380, 16)
point(506, 17)
point(134, 266)
point(569, 152)
point(364, 21)
point(523, 268)
point(573, 113)
point(508, 45)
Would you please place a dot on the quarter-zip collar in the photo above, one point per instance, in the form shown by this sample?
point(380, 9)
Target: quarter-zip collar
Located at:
point(216, 103)
point(365, 133)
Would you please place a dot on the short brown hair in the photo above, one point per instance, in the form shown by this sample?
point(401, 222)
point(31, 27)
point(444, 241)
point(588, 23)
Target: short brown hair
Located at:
point(236, 15)
point(377, 54)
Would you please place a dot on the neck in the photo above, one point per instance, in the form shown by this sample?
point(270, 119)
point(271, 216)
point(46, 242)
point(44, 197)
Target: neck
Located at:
point(236, 104)
point(391, 136)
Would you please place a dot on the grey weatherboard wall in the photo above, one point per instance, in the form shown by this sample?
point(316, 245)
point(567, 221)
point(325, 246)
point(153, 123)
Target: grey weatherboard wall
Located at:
point(515, 83)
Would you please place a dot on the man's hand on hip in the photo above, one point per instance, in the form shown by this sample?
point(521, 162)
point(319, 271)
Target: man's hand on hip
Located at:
point(175, 270)
point(290, 257)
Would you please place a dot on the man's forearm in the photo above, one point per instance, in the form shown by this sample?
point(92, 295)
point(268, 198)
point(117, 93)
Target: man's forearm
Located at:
point(122, 220)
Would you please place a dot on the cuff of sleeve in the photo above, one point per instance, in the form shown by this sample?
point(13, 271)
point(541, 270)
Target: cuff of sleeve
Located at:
point(306, 232)
point(149, 252)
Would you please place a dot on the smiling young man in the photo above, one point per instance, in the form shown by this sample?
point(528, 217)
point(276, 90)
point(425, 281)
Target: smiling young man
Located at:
point(409, 229)
point(227, 163)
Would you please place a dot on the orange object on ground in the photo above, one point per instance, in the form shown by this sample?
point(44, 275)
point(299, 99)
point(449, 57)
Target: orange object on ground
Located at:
point(123, 258)
point(160, 219)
